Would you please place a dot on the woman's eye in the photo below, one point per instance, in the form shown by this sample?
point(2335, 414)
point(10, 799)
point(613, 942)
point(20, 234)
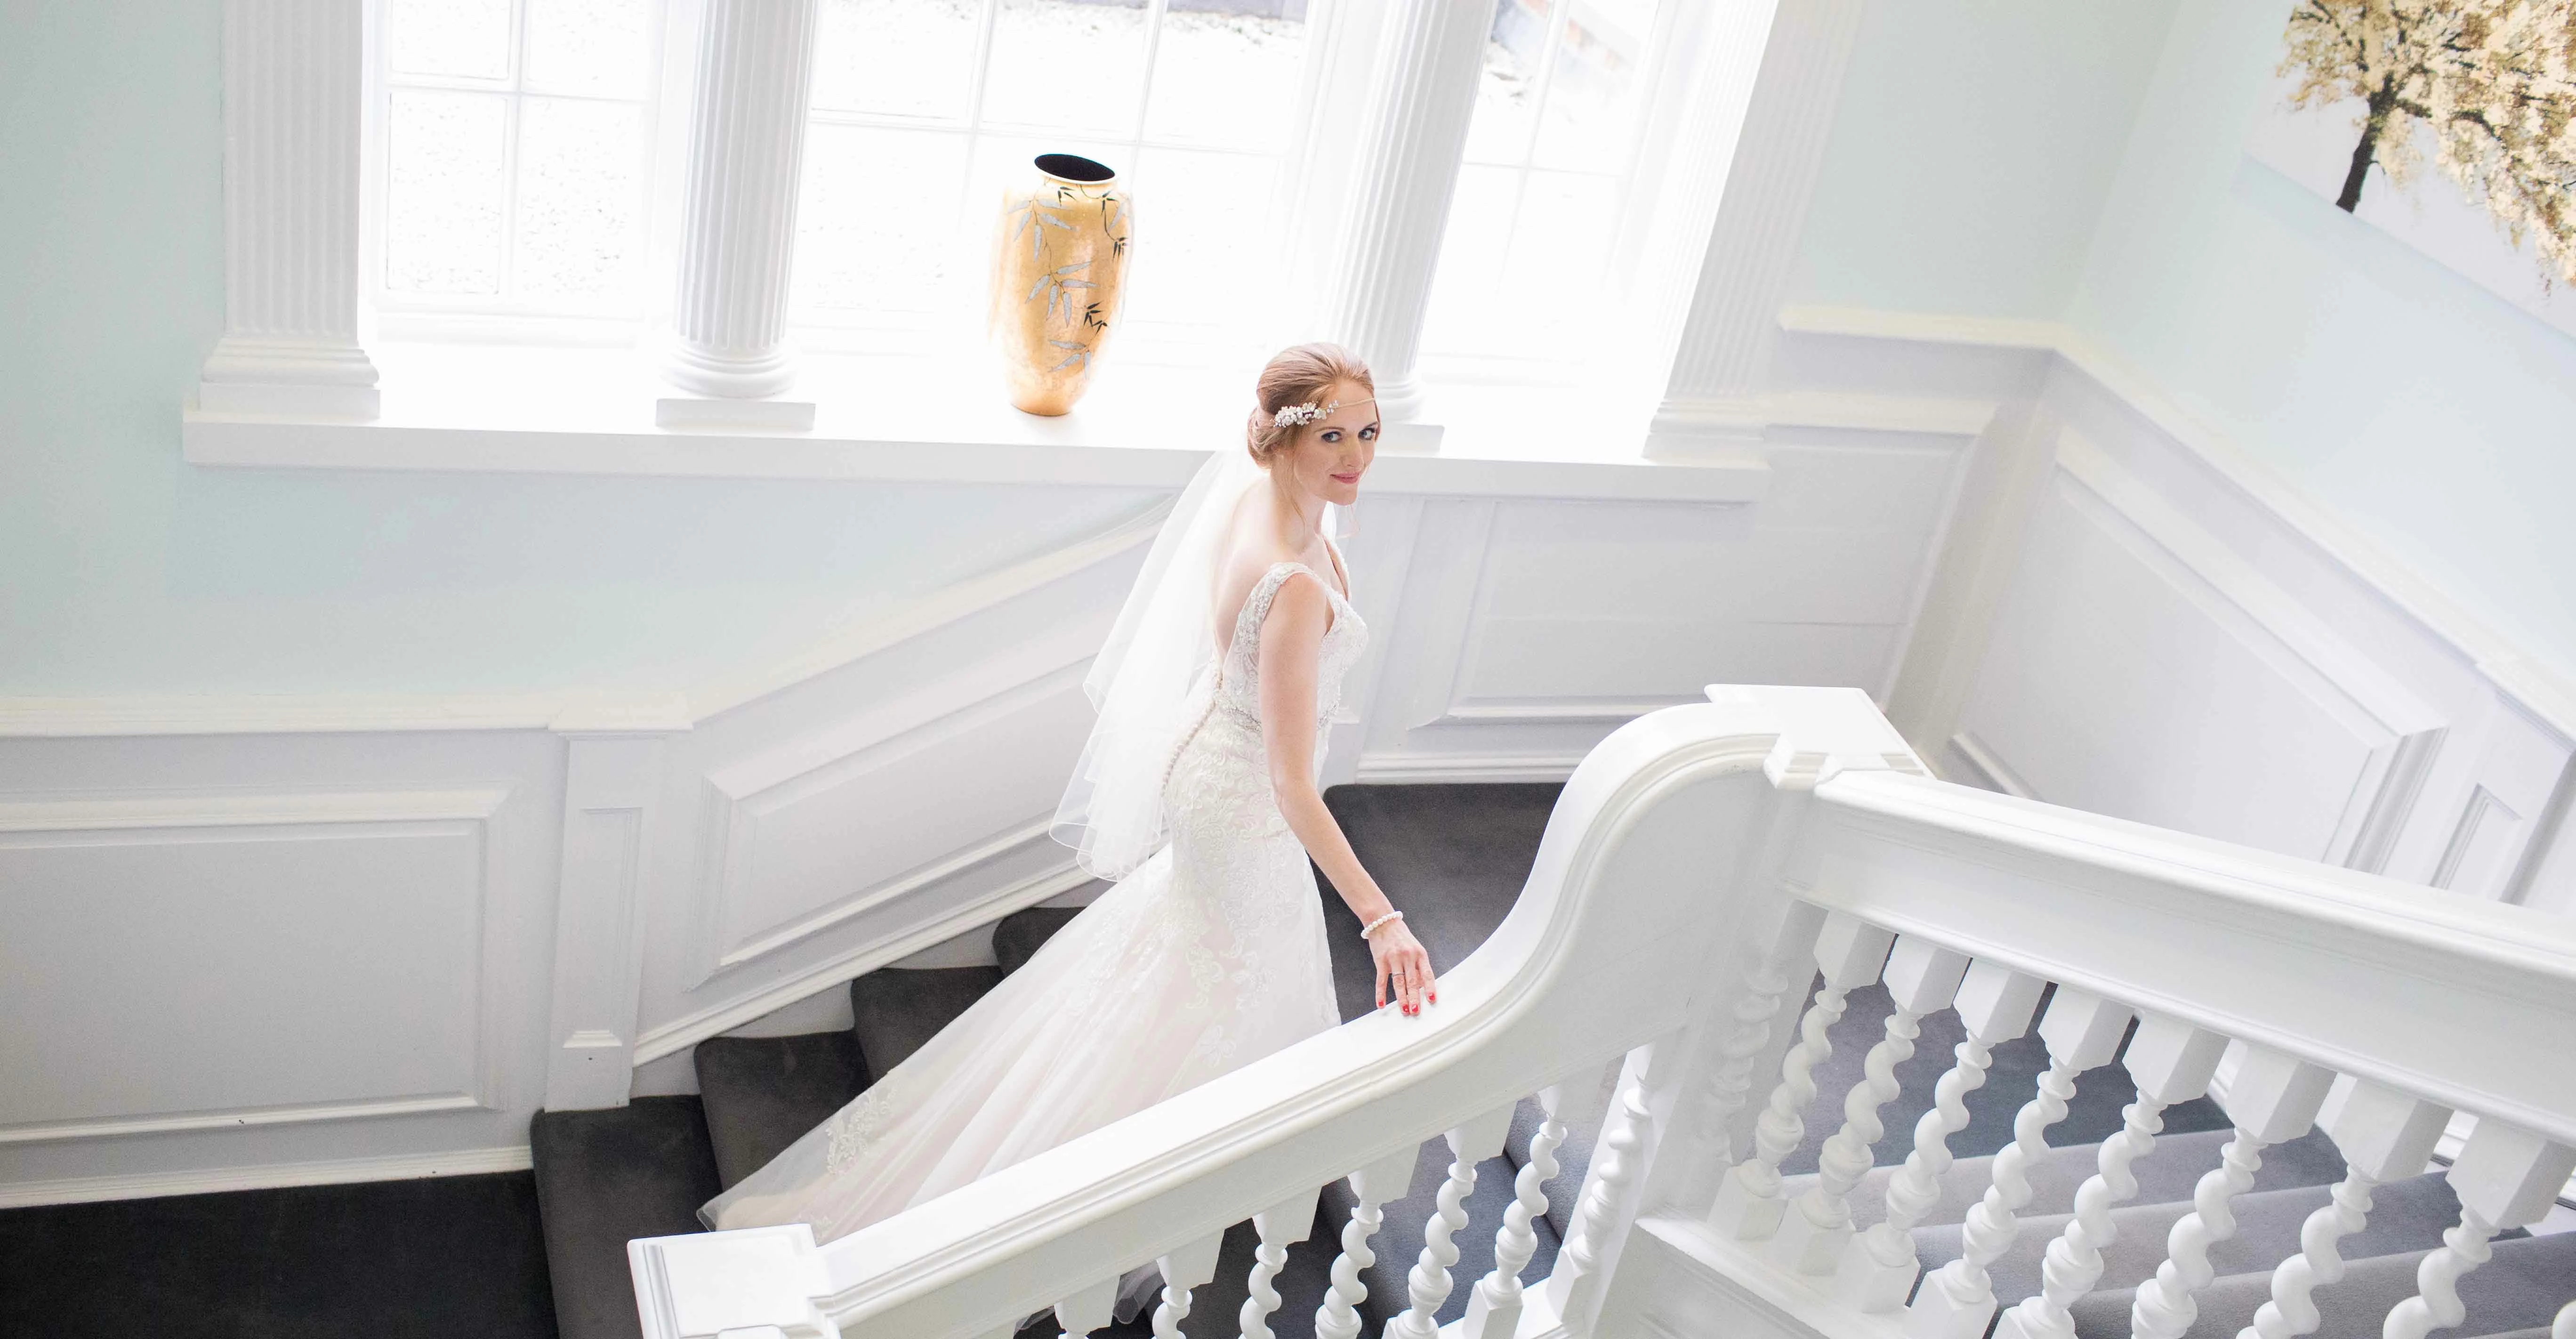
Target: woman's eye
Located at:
point(1368, 434)
point(1332, 435)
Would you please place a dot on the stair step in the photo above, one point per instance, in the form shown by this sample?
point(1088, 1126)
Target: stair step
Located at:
point(1018, 936)
point(2169, 1171)
point(763, 1093)
point(2407, 1215)
point(2520, 1288)
point(900, 1008)
point(605, 1178)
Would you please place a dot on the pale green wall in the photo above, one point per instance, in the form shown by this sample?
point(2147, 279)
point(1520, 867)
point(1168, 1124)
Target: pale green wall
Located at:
point(2085, 162)
point(1971, 153)
point(2437, 418)
point(123, 570)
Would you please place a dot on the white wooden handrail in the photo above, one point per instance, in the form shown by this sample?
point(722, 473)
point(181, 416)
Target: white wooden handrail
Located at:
point(1675, 896)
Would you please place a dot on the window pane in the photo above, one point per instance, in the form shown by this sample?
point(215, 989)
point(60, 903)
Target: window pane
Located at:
point(578, 183)
point(878, 228)
point(1227, 78)
point(443, 189)
point(1507, 95)
point(905, 57)
point(1207, 244)
point(1067, 64)
point(1564, 231)
point(452, 37)
point(596, 48)
point(1590, 100)
point(1470, 297)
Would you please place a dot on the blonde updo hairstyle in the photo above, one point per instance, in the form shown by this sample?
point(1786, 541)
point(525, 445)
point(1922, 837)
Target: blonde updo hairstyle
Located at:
point(1305, 374)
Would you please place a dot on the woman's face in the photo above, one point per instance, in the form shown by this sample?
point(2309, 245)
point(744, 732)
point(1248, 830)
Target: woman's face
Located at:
point(1328, 456)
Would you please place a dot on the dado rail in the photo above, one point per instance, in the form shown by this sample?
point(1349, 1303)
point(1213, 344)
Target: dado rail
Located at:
point(1704, 865)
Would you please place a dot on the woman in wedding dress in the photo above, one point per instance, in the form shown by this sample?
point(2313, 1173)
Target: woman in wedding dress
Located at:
point(1197, 793)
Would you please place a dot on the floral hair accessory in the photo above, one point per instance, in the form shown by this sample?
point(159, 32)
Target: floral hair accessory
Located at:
point(1298, 415)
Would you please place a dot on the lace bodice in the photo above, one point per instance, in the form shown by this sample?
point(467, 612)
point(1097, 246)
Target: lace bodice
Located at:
point(1238, 685)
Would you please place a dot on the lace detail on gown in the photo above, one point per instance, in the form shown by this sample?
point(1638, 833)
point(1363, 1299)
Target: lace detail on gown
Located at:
point(1209, 956)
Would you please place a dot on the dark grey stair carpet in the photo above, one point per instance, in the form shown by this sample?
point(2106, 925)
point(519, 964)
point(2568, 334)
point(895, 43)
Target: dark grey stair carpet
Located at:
point(2408, 1215)
point(898, 1009)
point(432, 1258)
point(2013, 1078)
point(1016, 937)
point(2520, 1288)
point(605, 1178)
point(763, 1093)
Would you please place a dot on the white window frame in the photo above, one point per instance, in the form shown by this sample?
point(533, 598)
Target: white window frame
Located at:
point(299, 129)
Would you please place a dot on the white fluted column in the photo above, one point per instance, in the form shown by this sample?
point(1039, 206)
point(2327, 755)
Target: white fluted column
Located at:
point(1746, 157)
point(1420, 100)
point(738, 215)
point(292, 72)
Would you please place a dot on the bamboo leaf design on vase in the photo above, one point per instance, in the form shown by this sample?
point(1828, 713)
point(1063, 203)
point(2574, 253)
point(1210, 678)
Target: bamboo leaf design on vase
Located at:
point(1059, 288)
point(1080, 357)
point(1034, 220)
point(1113, 211)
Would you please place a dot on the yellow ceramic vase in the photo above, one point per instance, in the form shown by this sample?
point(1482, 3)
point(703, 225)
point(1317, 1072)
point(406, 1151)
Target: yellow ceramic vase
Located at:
point(1059, 277)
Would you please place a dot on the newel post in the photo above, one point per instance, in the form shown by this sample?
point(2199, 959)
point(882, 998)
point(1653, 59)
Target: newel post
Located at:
point(1675, 1125)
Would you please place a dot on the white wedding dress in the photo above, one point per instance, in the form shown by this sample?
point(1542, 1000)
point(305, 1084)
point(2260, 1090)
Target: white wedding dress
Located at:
point(1209, 955)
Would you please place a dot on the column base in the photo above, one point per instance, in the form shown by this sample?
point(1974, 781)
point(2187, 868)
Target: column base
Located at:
point(289, 377)
point(2019, 1323)
point(675, 411)
point(1410, 439)
point(287, 399)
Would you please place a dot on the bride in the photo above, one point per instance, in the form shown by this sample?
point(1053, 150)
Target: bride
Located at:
point(1197, 793)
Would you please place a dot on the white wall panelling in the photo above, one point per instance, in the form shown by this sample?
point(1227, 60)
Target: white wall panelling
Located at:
point(348, 976)
point(2132, 617)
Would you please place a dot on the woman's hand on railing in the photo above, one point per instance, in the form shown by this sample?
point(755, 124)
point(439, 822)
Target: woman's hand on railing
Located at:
point(1402, 960)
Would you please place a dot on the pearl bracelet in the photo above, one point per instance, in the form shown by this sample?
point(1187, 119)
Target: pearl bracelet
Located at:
point(1371, 927)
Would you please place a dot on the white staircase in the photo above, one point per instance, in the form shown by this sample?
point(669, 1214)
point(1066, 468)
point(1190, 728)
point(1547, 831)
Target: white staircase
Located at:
point(1704, 864)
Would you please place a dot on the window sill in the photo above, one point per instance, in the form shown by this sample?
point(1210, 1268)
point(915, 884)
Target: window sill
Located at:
point(464, 408)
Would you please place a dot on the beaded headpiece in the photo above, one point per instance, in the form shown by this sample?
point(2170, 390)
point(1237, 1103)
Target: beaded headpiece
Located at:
point(1299, 415)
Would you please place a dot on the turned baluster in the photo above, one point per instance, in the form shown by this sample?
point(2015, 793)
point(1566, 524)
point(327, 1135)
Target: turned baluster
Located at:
point(1849, 952)
point(2082, 1031)
point(1373, 1185)
point(1088, 1309)
point(2506, 1177)
point(1817, 1230)
point(1494, 1312)
point(1429, 1284)
point(1995, 1004)
point(1190, 1267)
point(1619, 1166)
point(1738, 1048)
point(2383, 1135)
point(2272, 1097)
point(2171, 1061)
point(1278, 1227)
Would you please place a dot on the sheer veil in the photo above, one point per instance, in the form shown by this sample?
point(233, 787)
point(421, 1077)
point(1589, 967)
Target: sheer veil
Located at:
point(1149, 675)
